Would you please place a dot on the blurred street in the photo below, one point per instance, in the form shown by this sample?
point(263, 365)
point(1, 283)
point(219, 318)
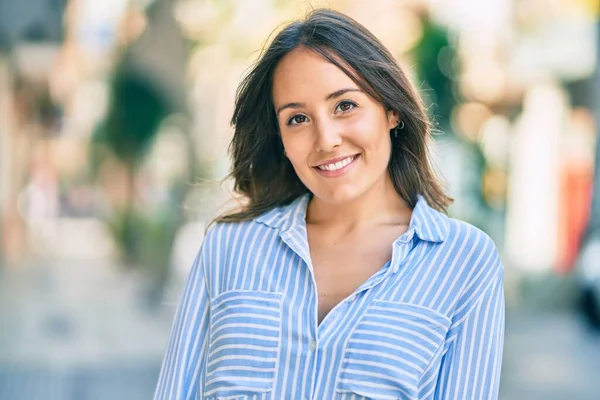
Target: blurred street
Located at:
point(550, 356)
point(78, 329)
point(114, 129)
point(80, 332)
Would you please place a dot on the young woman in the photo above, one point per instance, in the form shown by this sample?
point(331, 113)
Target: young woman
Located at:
point(342, 278)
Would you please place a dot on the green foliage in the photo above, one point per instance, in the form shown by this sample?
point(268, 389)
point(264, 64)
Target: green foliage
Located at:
point(436, 64)
point(133, 117)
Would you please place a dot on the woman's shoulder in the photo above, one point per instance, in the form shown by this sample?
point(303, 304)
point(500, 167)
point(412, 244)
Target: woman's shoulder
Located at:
point(470, 236)
point(232, 231)
point(471, 266)
point(474, 252)
point(276, 218)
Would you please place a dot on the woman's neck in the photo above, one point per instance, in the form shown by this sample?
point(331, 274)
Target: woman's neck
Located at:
point(381, 205)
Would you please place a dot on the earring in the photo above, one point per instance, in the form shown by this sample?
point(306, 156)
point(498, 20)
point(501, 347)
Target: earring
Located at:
point(399, 127)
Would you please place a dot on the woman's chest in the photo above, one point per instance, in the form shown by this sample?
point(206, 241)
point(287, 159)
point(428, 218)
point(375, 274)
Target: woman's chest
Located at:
point(266, 345)
point(340, 273)
point(341, 267)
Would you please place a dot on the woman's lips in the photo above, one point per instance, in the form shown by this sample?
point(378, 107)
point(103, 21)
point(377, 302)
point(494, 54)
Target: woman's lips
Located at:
point(333, 170)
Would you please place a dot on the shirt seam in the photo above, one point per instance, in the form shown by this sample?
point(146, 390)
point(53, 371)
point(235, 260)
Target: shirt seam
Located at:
point(459, 325)
point(426, 308)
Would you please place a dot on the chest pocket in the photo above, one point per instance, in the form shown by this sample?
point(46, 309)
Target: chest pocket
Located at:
point(243, 344)
point(389, 351)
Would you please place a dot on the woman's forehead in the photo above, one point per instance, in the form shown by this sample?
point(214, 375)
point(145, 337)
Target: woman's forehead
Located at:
point(304, 72)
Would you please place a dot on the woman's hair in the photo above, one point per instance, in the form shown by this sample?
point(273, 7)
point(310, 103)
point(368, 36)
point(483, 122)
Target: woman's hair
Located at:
point(263, 174)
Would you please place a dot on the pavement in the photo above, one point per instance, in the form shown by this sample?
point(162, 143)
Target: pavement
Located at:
point(76, 329)
point(550, 355)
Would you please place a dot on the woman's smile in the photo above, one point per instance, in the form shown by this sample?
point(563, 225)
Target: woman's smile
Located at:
point(337, 167)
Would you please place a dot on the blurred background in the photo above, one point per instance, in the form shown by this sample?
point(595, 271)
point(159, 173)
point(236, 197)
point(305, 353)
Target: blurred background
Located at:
point(114, 127)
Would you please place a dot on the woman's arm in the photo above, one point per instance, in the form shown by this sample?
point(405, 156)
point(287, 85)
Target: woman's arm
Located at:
point(470, 369)
point(182, 368)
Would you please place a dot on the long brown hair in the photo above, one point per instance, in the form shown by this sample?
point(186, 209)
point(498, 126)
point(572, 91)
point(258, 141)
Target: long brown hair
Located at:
point(261, 172)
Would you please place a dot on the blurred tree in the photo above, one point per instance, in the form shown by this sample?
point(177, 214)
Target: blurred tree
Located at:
point(147, 89)
point(435, 58)
point(437, 67)
point(134, 115)
point(136, 109)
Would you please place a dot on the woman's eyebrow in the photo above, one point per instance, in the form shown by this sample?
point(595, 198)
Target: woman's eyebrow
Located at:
point(289, 105)
point(330, 96)
point(341, 92)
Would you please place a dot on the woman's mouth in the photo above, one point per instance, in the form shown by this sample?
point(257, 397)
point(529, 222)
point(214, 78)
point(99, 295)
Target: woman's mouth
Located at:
point(337, 168)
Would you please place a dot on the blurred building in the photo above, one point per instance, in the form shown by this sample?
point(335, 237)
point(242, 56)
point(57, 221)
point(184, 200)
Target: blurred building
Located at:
point(513, 86)
point(30, 36)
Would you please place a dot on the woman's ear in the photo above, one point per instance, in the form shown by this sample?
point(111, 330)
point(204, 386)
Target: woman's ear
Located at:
point(393, 119)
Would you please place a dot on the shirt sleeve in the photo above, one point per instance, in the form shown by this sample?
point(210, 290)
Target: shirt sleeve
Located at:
point(182, 367)
point(471, 367)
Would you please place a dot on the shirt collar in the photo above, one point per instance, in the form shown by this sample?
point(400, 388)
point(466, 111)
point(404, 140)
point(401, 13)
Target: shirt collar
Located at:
point(427, 223)
point(287, 216)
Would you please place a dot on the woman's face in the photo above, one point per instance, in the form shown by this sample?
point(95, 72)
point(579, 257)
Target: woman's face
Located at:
point(336, 136)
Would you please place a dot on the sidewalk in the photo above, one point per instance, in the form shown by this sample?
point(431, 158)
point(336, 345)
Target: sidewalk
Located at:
point(77, 331)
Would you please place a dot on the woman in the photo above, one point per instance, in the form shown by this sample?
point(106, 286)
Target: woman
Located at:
point(342, 277)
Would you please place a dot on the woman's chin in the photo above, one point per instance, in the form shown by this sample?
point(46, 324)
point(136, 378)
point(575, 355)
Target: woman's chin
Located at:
point(339, 195)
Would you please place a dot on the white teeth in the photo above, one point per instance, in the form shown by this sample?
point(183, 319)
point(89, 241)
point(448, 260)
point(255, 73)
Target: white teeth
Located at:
point(337, 165)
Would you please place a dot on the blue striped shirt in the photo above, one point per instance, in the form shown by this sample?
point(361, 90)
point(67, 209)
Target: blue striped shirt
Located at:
point(427, 325)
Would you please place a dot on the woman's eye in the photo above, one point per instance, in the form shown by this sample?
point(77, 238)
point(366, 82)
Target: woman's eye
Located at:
point(345, 106)
point(297, 119)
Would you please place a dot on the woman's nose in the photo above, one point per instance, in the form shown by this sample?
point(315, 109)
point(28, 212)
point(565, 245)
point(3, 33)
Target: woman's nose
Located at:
point(328, 136)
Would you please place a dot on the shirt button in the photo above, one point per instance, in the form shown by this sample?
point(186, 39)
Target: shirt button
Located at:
point(353, 298)
point(313, 345)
